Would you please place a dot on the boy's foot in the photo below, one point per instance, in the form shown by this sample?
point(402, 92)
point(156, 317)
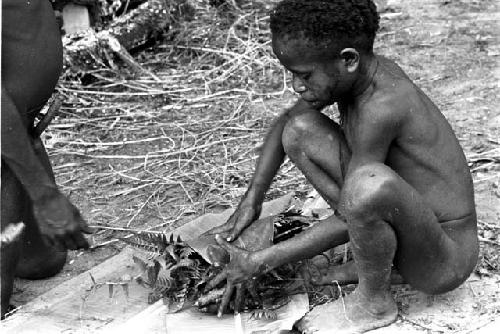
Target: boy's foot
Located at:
point(350, 314)
point(327, 274)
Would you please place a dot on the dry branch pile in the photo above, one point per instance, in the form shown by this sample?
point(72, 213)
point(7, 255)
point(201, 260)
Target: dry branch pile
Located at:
point(184, 136)
point(90, 50)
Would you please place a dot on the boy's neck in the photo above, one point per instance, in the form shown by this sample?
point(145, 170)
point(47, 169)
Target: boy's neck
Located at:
point(364, 81)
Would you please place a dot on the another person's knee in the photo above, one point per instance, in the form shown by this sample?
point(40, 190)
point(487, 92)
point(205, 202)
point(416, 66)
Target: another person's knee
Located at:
point(50, 263)
point(367, 191)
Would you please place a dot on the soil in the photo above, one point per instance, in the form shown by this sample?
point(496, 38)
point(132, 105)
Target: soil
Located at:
point(451, 50)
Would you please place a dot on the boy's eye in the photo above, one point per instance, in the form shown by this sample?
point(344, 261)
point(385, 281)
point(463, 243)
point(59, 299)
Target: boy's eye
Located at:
point(306, 76)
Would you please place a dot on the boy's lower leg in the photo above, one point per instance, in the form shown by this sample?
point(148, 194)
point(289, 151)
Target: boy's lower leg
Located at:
point(371, 305)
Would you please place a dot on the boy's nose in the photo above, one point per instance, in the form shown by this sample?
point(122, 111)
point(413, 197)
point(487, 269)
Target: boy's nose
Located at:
point(298, 85)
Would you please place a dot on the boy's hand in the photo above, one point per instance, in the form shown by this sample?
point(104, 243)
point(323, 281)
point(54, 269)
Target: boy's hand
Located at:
point(60, 221)
point(244, 215)
point(239, 272)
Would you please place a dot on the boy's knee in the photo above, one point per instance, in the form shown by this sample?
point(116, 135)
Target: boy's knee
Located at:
point(367, 190)
point(297, 127)
point(305, 126)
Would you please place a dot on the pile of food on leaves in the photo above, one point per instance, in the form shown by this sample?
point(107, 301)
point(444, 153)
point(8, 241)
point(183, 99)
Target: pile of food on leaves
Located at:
point(177, 271)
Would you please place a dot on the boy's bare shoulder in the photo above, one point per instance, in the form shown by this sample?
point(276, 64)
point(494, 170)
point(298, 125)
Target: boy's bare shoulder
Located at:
point(388, 104)
point(393, 96)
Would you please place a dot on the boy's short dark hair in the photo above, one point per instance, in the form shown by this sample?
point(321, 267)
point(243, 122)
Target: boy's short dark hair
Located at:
point(347, 23)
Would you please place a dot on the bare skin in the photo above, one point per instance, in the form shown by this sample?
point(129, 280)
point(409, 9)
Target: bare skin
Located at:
point(394, 169)
point(347, 273)
point(31, 64)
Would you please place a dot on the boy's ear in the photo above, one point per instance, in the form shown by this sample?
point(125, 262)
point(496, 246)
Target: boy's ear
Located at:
point(351, 59)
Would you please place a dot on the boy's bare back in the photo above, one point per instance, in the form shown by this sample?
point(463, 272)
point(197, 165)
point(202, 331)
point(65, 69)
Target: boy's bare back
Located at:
point(423, 148)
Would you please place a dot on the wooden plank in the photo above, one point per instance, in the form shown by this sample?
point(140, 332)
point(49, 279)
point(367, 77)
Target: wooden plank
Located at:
point(156, 320)
point(72, 308)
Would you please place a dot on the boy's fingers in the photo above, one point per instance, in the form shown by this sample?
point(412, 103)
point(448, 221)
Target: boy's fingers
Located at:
point(226, 245)
point(225, 298)
point(235, 233)
point(253, 291)
point(238, 300)
point(219, 229)
point(216, 280)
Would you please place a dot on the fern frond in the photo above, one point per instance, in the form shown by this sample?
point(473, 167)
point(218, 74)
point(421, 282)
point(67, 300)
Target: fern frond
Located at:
point(185, 263)
point(164, 280)
point(142, 244)
point(170, 250)
point(186, 252)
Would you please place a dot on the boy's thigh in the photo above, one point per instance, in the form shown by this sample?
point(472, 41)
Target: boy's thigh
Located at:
point(426, 256)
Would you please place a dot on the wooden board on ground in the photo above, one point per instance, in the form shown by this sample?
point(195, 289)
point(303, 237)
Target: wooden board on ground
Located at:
point(156, 320)
point(72, 307)
point(83, 304)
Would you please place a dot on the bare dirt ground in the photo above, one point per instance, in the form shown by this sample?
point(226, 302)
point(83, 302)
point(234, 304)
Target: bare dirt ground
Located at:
point(138, 154)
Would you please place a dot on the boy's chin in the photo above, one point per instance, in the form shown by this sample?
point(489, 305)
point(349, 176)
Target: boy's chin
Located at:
point(320, 104)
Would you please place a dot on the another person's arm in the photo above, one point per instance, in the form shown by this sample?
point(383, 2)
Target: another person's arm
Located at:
point(58, 219)
point(19, 155)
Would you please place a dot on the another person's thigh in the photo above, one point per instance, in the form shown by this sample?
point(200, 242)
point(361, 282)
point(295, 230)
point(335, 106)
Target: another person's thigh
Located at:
point(426, 256)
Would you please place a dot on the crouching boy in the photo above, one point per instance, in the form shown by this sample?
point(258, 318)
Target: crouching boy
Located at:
point(392, 167)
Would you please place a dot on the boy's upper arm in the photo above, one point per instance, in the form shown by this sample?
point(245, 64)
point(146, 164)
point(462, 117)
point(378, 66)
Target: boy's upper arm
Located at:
point(379, 126)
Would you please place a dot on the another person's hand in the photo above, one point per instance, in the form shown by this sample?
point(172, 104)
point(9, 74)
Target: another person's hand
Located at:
point(60, 221)
point(239, 274)
point(245, 214)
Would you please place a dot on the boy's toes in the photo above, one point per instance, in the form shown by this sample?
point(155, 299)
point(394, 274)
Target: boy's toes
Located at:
point(306, 327)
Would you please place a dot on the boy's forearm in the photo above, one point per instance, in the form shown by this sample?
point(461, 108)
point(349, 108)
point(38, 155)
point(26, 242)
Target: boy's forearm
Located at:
point(272, 156)
point(324, 235)
point(269, 162)
point(18, 152)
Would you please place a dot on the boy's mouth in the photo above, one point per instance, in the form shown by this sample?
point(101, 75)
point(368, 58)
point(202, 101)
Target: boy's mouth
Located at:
point(308, 98)
point(317, 104)
point(312, 101)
